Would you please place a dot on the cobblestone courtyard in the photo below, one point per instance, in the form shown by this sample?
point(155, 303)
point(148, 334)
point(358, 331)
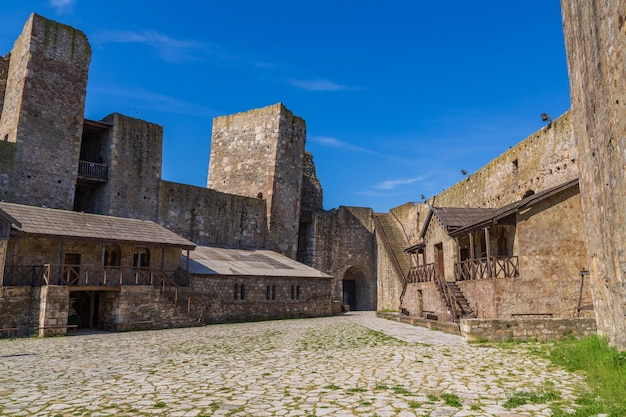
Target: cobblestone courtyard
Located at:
point(352, 365)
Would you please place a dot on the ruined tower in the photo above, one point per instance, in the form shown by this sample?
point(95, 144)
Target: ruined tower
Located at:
point(260, 154)
point(595, 38)
point(42, 112)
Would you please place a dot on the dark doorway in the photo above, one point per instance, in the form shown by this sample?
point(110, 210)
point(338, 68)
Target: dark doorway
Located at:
point(439, 258)
point(84, 306)
point(349, 293)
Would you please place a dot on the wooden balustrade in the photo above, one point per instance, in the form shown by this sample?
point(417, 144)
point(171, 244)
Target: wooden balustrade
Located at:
point(93, 170)
point(422, 273)
point(482, 268)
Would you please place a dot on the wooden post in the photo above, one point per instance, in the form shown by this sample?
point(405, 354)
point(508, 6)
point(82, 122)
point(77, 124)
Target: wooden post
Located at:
point(488, 245)
point(92, 307)
point(102, 262)
point(187, 269)
point(583, 272)
point(471, 239)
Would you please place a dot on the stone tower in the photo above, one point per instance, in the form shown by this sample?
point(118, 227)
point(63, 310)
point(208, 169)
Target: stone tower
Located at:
point(260, 154)
point(595, 38)
point(42, 112)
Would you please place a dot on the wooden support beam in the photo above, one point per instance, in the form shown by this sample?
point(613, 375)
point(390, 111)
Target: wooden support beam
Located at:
point(488, 249)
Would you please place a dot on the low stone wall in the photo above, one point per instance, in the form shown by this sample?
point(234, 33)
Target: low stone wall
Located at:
point(444, 326)
point(542, 329)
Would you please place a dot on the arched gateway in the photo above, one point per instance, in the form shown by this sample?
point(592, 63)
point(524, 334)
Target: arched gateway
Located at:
point(358, 289)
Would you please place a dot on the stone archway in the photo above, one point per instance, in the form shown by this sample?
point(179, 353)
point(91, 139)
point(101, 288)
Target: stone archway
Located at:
point(358, 291)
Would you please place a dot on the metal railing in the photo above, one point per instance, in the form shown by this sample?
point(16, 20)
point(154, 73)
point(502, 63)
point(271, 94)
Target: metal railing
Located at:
point(482, 268)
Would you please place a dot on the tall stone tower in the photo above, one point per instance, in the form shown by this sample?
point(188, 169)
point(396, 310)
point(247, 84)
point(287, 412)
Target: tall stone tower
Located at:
point(260, 154)
point(595, 38)
point(43, 111)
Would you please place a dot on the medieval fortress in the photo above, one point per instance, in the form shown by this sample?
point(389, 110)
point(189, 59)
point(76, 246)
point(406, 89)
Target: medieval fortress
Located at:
point(529, 246)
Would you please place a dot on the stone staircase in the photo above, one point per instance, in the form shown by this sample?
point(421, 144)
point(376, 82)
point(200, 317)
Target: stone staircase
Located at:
point(396, 240)
point(465, 310)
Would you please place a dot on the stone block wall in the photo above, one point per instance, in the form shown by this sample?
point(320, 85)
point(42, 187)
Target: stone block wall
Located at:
point(289, 297)
point(7, 160)
point(260, 154)
point(208, 217)
point(595, 35)
point(43, 111)
point(54, 305)
point(19, 308)
point(423, 299)
point(526, 329)
point(344, 240)
point(139, 308)
point(4, 74)
point(312, 198)
point(135, 161)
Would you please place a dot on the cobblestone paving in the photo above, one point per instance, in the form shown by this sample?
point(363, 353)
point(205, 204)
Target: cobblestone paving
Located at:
point(336, 366)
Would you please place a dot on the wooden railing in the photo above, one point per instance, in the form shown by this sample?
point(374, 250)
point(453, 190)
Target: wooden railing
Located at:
point(422, 273)
point(192, 305)
point(482, 268)
point(81, 275)
point(93, 170)
point(447, 293)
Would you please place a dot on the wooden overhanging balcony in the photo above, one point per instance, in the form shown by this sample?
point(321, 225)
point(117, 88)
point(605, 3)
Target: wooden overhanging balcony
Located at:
point(483, 268)
point(93, 171)
point(422, 273)
point(87, 276)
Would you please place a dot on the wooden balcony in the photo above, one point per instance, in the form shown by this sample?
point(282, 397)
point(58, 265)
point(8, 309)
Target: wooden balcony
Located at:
point(86, 276)
point(483, 268)
point(93, 171)
point(422, 273)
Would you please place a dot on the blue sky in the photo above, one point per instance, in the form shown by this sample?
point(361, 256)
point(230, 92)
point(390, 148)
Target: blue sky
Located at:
point(399, 96)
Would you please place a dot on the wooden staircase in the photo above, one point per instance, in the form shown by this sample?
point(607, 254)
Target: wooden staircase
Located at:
point(464, 309)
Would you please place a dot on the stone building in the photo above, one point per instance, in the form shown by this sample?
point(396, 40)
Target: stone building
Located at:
point(508, 238)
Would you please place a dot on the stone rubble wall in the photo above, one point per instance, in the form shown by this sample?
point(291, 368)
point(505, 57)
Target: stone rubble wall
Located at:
point(595, 39)
point(141, 307)
point(259, 153)
point(43, 111)
point(344, 240)
point(218, 294)
point(208, 217)
point(499, 330)
point(19, 308)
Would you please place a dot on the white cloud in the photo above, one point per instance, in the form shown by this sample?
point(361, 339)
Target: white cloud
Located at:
point(160, 102)
point(62, 6)
point(391, 184)
point(320, 85)
point(336, 143)
point(168, 48)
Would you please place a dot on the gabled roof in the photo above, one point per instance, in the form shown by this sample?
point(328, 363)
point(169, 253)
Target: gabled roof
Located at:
point(209, 260)
point(8, 218)
point(501, 213)
point(459, 220)
point(70, 224)
point(453, 218)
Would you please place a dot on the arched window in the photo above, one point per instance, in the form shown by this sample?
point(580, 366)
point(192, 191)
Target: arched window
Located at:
point(112, 255)
point(141, 258)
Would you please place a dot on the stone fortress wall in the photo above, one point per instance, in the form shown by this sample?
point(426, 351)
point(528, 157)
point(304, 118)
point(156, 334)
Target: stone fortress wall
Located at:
point(269, 206)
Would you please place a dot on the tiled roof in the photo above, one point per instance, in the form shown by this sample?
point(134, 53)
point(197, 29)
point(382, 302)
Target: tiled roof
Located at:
point(63, 223)
point(208, 260)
